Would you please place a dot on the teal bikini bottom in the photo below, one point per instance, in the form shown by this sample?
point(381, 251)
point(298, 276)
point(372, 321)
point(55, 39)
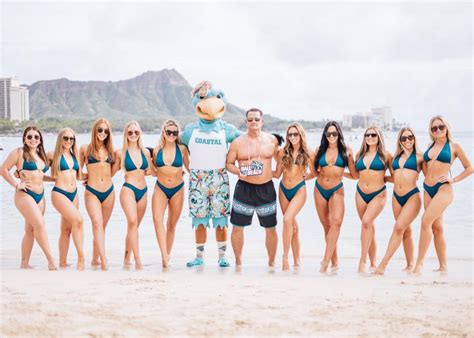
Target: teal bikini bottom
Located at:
point(369, 197)
point(139, 193)
point(101, 196)
point(402, 200)
point(433, 190)
point(290, 193)
point(70, 195)
point(327, 193)
point(36, 197)
point(170, 192)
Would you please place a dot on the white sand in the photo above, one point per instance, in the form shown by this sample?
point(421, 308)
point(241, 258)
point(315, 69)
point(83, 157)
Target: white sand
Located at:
point(254, 302)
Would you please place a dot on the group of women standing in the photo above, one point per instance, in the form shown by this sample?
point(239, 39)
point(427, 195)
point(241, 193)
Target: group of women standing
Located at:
point(296, 163)
point(101, 162)
point(369, 167)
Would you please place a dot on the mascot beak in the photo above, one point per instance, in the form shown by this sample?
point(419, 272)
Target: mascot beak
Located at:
point(210, 109)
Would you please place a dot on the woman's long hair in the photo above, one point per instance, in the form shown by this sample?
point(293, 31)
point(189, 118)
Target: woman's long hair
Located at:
point(400, 148)
point(58, 151)
point(449, 133)
point(39, 150)
point(93, 148)
point(125, 140)
point(162, 140)
point(380, 146)
point(302, 158)
point(324, 145)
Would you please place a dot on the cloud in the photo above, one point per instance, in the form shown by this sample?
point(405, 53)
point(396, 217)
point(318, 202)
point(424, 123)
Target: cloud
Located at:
point(294, 60)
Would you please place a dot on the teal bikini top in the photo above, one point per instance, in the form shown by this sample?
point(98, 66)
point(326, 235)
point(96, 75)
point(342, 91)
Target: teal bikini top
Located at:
point(130, 166)
point(64, 166)
point(376, 164)
point(324, 163)
point(91, 160)
point(31, 166)
point(410, 163)
point(443, 156)
point(178, 158)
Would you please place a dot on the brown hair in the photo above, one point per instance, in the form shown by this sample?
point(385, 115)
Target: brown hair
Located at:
point(39, 150)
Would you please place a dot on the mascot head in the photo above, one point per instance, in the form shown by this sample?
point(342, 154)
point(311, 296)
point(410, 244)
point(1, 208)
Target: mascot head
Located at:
point(209, 102)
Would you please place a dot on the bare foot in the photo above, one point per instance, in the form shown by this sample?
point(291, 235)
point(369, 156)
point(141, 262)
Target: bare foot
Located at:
point(285, 266)
point(324, 267)
point(95, 262)
point(334, 268)
point(26, 266)
point(52, 266)
point(165, 262)
point(138, 265)
point(103, 265)
point(271, 263)
point(64, 265)
point(361, 268)
point(408, 268)
point(296, 262)
point(442, 270)
point(379, 271)
point(81, 264)
point(127, 262)
point(417, 270)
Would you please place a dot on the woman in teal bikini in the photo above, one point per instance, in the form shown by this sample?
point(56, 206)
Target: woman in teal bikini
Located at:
point(134, 159)
point(332, 157)
point(372, 161)
point(169, 157)
point(406, 201)
point(438, 188)
point(293, 161)
point(65, 171)
point(98, 156)
point(31, 164)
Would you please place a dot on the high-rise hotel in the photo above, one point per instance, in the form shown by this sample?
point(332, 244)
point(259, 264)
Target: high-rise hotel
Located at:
point(14, 100)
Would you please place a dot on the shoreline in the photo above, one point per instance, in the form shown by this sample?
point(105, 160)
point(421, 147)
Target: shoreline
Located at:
point(216, 302)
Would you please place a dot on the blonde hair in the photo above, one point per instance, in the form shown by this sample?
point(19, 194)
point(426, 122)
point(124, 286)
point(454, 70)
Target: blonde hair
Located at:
point(162, 140)
point(125, 140)
point(449, 135)
point(380, 146)
point(399, 149)
point(58, 151)
point(302, 159)
point(93, 147)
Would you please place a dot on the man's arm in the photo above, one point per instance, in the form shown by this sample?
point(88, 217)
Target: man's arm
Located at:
point(231, 158)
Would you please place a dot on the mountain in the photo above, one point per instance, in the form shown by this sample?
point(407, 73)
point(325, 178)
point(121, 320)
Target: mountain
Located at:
point(149, 98)
point(154, 94)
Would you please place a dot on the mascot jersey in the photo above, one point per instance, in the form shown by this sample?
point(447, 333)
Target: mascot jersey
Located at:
point(209, 193)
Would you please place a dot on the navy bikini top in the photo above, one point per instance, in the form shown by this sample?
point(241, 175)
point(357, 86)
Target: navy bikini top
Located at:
point(177, 162)
point(91, 160)
point(443, 156)
point(64, 166)
point(324, 163)
point(130, 166)
point(410, 163)
point(31, 166)
point(376, 164)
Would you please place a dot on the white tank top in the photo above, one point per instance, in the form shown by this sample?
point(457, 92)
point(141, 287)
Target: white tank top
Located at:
point(207, 150)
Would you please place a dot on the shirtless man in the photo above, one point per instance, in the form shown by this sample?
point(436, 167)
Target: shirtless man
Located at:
point(254, 190)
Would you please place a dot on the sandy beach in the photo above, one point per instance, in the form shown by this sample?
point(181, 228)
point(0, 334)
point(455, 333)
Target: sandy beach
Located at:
point(253, 302)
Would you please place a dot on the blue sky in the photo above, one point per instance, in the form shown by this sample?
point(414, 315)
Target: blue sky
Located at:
point(309, 60)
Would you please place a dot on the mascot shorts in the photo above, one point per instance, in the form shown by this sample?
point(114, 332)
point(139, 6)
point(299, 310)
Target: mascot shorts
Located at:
point(209, 193)
point(249, 198)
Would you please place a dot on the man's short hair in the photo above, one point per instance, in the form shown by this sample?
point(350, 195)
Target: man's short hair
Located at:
point(253, 109)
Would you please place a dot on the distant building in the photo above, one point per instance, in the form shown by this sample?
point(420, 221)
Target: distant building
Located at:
point(382, 117)
point(360, 120)
point(14, 100)
point(347, 121)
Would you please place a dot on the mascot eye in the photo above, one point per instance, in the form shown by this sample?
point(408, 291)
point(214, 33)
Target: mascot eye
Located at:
point(219, 96)
point(202, 97)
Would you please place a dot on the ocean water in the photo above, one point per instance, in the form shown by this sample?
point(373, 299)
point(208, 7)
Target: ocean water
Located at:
point(458, 220)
